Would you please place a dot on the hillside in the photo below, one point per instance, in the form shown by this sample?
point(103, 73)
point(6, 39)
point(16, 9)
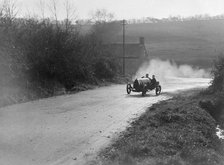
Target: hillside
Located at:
point(190, 42)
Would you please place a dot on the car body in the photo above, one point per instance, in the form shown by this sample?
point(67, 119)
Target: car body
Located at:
point(143, 85)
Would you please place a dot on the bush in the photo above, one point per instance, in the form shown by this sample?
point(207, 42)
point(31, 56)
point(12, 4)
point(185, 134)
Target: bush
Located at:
point(105, 68)
point(53, 53)
point(218, 74)
point(215, 105)
point(50, 52)
point(41, 56)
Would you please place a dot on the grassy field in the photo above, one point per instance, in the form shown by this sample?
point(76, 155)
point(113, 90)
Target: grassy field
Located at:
point(191, 42)
point(177, 132)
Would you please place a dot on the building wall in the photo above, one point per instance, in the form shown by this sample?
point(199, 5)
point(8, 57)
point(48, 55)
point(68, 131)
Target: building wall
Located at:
point(135, 54)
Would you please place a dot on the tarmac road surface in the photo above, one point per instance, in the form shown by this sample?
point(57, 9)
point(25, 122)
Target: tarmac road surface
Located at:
point(70, 129)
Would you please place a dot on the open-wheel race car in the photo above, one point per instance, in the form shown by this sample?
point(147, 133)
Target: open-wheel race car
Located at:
point(144, 85)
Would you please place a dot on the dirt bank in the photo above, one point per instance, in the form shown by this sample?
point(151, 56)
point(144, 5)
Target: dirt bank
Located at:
point(177, 131)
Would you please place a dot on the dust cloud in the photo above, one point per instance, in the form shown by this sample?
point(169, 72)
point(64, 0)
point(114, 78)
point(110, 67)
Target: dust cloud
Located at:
point(164, 70)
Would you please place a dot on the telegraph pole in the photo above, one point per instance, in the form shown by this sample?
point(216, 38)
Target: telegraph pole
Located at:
point(123, 23)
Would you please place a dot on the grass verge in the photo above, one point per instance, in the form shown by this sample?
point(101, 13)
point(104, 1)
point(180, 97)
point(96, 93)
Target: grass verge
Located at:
point(172, 132)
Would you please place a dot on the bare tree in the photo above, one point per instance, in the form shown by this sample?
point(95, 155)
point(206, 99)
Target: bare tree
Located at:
point(102, 16)
point(42, 6)
point(9, 11)
point(53, 8)
point(1, 9)
point(70, 11)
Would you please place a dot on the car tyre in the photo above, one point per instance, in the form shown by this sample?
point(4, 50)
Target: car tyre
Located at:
point(158, 90)
point(128, 88)
point(144, 90)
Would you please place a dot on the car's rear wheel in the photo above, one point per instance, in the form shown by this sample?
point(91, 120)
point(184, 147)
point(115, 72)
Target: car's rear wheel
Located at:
point(158, 90)
point(128, 88)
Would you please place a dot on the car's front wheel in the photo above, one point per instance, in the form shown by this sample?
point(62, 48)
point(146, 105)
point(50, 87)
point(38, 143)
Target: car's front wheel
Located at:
point(144, 90)
point(158, 90)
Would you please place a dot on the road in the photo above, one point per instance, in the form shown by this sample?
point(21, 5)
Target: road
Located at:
point(70, 129)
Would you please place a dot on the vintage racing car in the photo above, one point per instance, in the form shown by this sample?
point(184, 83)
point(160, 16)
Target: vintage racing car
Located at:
point(143, 85)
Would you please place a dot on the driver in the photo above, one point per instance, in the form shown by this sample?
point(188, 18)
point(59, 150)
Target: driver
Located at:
point(146, 76)
point(153, 81)
point(149, 82)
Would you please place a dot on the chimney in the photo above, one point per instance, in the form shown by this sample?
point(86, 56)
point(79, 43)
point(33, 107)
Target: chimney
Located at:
point(142, 40)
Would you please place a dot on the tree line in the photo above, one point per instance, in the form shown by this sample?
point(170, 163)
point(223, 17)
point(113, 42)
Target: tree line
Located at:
point(202, 17)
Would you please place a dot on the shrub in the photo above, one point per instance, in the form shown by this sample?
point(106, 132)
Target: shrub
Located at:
point(105, 68)
point(218, 74)
point(53, 53)
point(40, 56)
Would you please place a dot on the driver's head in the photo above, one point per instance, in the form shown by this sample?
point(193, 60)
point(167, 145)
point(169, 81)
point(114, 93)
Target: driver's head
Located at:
point(153, 76)
point(147, 75)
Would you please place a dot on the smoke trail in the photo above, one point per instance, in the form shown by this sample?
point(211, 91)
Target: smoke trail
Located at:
point(166, 69)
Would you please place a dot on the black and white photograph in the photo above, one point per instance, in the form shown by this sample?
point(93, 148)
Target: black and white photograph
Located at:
point(111, 82)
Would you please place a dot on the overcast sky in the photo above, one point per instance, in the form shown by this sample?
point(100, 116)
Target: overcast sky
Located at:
point(126, 9)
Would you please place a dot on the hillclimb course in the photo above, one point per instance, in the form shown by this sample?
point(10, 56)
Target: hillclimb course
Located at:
point(71, 129)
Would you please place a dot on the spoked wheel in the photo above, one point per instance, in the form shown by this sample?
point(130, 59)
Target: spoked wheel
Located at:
point(144, 90)
point(158, 89)
point(128, 88)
